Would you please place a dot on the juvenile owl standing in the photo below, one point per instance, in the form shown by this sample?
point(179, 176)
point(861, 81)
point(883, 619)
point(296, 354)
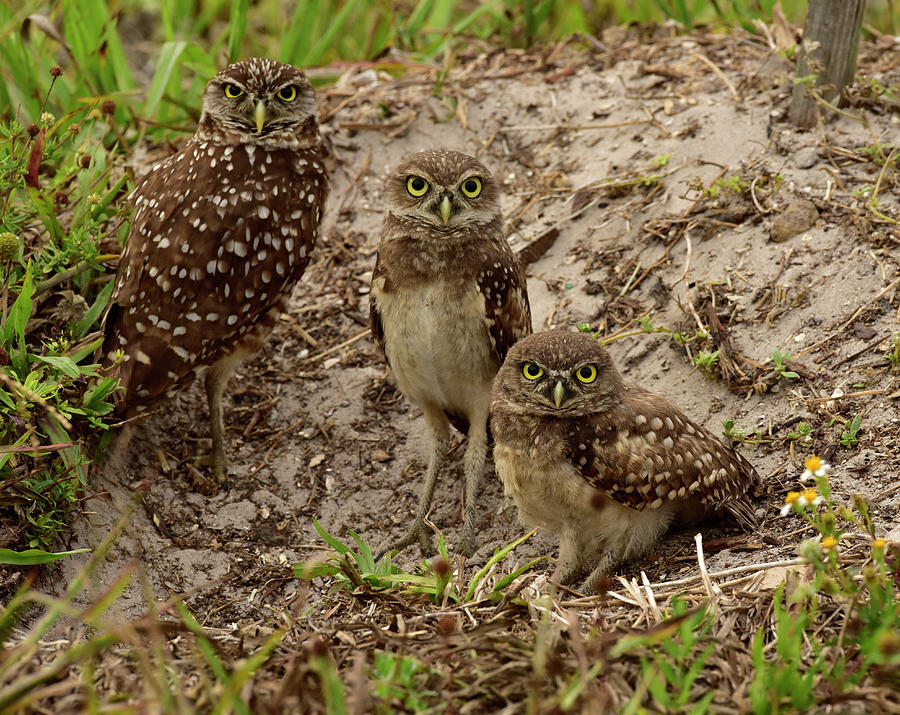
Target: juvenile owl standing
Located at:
point(604, 464)
point(220, 233)
point(448, 299)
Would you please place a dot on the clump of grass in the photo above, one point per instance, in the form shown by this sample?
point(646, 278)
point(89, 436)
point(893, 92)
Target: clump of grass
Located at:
point(153, 670)
point(57, 192)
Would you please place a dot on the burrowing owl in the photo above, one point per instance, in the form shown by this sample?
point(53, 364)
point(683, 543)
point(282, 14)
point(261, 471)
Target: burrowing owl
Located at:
point(604, 464)
point(221, 232)
point(448, 300)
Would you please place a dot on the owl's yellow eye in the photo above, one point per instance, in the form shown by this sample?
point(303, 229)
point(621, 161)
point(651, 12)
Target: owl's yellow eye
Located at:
point(471, 187)
point(232, 91)
point(416, 186)
point(287, 94)
point(587, 374)
point(532, 371)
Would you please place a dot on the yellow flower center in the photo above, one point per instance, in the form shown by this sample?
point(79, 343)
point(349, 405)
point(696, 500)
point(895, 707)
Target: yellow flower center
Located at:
point(813, 463)
point(791, 497)
point(829, 542)
point(810, 495)
point(878, 544)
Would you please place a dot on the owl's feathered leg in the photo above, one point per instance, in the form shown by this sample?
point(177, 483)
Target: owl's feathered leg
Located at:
point(569, 567)
point(439, 436)
point(215, 381)
point(473, 469)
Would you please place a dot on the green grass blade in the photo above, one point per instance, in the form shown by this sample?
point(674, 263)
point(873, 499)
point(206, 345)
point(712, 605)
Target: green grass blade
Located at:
point(237, 27)
point(328, 37)
point(338, 546)
point(168, 61)
point(99, 305)
point(498, 556)
point(32, 557)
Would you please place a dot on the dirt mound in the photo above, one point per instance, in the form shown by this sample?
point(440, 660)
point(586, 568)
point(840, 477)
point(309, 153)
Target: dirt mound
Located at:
point(653, 178)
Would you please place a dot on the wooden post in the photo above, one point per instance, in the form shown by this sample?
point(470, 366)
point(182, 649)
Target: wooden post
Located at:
point(828, 51)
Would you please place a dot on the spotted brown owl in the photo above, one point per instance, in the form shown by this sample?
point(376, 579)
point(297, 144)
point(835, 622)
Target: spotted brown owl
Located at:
point(604, 464)
point(221, 231)
point(448, 299)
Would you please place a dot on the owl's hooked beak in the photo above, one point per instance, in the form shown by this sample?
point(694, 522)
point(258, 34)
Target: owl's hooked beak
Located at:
point(259, 114)
point(559, 391)
point(446, 209)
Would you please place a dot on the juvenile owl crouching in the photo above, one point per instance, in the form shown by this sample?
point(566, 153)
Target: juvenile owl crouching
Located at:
point(448, 299)
point(220, 234)
point(604, 464)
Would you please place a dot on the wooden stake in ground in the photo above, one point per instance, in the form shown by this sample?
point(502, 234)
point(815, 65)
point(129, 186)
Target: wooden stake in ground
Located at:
point(828, 51)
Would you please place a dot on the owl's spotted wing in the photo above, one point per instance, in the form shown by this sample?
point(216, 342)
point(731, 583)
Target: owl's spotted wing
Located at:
point(507, 312)
point(214, 246)
point(645, 453)
point(375, 320)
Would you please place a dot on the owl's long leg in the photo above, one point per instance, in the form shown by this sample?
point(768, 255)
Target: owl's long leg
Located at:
point(473, 469)
point(439, 436)
point(215, 382)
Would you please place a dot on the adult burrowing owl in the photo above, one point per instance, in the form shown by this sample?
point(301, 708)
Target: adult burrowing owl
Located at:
point(448, 300)
point(604, 464)
point(221, 232)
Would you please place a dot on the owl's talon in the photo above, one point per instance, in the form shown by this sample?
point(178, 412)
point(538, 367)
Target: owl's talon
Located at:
point(419, 532)
point(467, 546)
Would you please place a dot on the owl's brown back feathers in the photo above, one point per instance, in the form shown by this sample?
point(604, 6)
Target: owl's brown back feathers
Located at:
point(220, 233)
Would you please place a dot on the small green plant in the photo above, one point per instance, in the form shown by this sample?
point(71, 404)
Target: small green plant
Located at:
point(806, 661)
point(400, 681)
point(432, 577)
point(851, 430)
point(733, 433)
point(778, 362)
point(893, 354)
point(676, 662)
point(707, 361)
point(802, 431)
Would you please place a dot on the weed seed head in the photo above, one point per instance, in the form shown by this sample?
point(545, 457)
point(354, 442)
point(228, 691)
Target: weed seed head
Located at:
point(318, 648)
point(446, 624)
point(108, 107)
point(859, 503)
point(32, 130)
point(47, 118)
point(889, 642)
point(56, 71)
point(870, 576)
point(810, 549)
point(85, 161)
point(9, 246)
point(441, 568)
point(830, 586)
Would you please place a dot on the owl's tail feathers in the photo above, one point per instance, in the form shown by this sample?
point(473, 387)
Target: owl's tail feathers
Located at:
point(741, 508)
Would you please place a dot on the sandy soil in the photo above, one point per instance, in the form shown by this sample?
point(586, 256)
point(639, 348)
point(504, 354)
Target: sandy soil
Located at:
point(316, 428)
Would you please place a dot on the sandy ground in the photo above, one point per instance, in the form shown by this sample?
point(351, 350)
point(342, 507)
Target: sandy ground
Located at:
point(604, 155)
